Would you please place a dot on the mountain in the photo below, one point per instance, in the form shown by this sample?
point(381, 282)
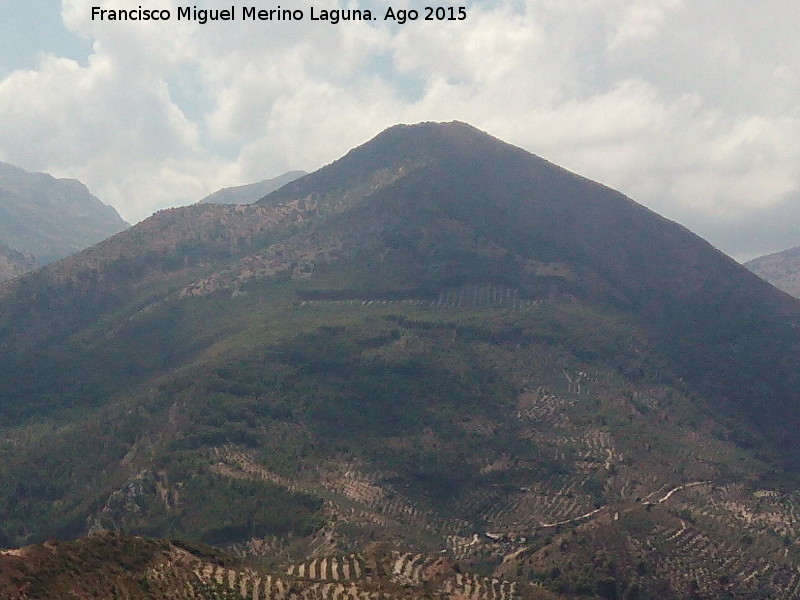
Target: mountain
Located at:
point(49, 218)
point(13, 263)
point(440, 347)
point(247, 194)
point(781, 269)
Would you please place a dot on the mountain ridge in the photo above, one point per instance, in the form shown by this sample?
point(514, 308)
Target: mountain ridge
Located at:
point(439, 341)
point(252, 192)
point(50, 218)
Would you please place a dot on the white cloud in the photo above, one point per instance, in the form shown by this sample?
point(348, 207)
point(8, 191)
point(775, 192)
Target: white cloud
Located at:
point(640, 21)
point(690, 108)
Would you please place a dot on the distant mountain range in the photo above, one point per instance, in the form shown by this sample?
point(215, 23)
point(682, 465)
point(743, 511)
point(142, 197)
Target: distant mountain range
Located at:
point(781, 269)
point(438, 367)
point(247, 194)
point(43, 219)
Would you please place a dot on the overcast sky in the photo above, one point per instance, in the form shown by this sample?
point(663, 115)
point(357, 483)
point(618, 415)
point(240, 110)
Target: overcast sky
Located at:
point(689, 107)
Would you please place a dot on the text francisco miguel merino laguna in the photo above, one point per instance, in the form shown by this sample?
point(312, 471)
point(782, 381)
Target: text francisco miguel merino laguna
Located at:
point(252, 13)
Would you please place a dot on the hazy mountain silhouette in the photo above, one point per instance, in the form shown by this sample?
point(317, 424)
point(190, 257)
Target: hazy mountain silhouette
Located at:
point(247, 194)
point(50, 218)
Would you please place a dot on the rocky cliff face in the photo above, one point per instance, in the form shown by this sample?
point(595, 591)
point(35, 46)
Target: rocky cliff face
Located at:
point(48, 218)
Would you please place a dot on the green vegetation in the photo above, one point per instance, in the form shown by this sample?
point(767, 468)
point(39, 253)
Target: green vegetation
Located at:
point(450, 345)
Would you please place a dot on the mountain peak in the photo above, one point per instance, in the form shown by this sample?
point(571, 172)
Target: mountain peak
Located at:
point(439, 339)
point(433, 137)
point(442, 129)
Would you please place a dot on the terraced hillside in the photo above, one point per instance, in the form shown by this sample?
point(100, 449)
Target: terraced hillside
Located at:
point(440, 363)
point(111, 566)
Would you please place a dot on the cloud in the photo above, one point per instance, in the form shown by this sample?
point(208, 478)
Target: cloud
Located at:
point(110, 122)
point(689, 108)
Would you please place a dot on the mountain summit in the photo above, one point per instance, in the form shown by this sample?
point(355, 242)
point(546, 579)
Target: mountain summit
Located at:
point(498, 214)
point(495, 374)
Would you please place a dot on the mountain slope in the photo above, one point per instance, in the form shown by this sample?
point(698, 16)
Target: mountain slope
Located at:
point(781, 269)
point(51, 218)
point(247, 194)
point(690, 294)
point(438, 341)
point(13, 263)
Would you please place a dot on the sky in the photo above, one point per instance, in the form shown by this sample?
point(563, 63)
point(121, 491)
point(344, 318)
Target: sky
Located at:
point(691, 108)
